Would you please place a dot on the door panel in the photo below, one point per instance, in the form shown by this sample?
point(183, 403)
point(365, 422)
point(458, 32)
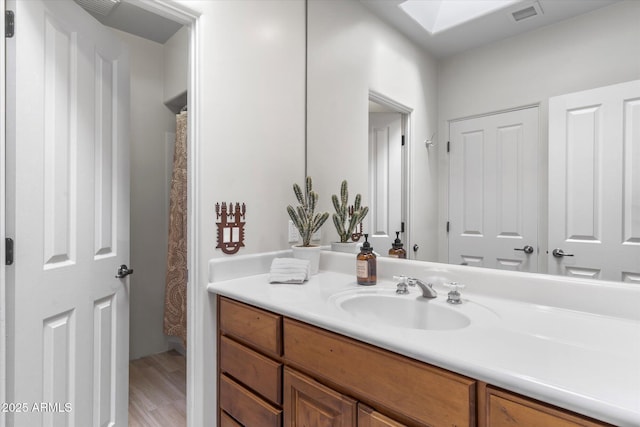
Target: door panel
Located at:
point(68, 212)
point(593, 173)
point(493, 191)
point(309, 403)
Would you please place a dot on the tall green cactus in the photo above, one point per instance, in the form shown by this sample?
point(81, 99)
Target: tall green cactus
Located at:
point(342, 213)
point(304, 217)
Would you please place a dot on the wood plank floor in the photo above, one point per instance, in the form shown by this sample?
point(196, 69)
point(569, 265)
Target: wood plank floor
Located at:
point(157, 390)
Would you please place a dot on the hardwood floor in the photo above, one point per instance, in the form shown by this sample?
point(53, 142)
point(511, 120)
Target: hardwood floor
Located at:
point(157, 390)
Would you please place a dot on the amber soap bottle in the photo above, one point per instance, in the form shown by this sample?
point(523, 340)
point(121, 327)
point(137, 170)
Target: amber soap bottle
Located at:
point(397, 251)
point(366, 264)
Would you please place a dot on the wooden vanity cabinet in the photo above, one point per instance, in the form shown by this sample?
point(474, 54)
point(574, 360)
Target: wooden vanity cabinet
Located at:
point(275, 371)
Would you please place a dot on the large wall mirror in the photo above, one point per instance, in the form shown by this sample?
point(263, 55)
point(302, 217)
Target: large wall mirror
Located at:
point(355, 49)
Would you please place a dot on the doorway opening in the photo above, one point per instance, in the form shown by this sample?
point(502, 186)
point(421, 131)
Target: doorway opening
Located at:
point(389, 139)
point(182, 17)
point(161, 40)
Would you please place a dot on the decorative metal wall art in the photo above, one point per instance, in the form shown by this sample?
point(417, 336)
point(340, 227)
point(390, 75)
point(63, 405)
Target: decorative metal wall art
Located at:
point(230, 222)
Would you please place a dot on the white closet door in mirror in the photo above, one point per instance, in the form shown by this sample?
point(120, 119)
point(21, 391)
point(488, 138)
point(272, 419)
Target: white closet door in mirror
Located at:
point(594, 183)
point(493, 219)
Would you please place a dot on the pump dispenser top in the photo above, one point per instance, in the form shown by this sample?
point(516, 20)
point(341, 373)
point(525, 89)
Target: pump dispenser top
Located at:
point(366, 264)
point(397, 251)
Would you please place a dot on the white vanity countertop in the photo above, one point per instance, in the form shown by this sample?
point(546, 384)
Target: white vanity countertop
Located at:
point(584, 362)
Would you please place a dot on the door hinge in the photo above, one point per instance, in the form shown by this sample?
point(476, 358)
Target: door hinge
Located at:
point(448, 226)
point(402, 140)
point(9, 23)
point(8, 251)
point(448, 146)
point(402, 227)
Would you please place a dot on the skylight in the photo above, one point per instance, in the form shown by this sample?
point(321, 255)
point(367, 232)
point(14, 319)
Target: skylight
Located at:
point(440, 15)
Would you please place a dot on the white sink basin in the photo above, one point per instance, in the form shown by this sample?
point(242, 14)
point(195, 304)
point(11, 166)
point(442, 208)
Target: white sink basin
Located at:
point(385, 307)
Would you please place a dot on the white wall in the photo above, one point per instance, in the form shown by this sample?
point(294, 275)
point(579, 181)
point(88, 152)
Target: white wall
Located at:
point(150, 119)
point(350, 53)
point(250, 106)
point(251, 124)
point(176, 58)
point(592, 50)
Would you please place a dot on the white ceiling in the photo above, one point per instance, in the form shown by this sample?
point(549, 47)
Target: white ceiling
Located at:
point(135, 20)
point(485, 29)
point(491, 27)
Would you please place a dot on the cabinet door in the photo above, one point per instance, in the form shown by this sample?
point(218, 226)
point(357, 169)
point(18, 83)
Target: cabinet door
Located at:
point(309, 403)
point(368, 417)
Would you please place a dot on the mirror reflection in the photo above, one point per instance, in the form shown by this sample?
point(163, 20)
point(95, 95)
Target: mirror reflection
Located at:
point(452, 80)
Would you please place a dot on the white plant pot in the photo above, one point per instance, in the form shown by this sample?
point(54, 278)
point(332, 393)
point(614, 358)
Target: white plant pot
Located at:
point(346, 247)
point(312, 253)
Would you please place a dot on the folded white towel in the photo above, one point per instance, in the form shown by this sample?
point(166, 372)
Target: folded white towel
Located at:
point(289, 270)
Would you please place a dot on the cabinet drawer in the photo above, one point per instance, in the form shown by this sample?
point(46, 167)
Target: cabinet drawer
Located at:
point(256, 327)
point(227, 421)
point(258, 372)
point(422, 393)
point(506, 409)
point(245, 407)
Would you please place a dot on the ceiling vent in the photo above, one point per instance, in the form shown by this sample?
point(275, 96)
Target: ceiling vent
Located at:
point(527, 12)
point(99, 7)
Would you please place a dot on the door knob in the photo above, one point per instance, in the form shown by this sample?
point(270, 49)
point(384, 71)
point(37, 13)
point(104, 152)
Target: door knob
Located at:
point(124, 271)
point(528, 249)
point(559, 253)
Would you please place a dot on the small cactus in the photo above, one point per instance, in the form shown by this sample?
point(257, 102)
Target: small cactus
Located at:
point(304, 217)
point(343, 212)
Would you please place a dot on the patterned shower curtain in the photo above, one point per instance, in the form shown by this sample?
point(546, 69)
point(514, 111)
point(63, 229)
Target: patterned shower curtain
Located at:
point(175, 305)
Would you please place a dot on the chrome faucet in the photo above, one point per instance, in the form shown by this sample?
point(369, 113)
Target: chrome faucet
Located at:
point(404, 281)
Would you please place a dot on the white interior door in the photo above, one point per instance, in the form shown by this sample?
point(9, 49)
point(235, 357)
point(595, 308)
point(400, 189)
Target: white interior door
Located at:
point(385, 169)
point(493, 220)
point(68, 211)
point(594, 183)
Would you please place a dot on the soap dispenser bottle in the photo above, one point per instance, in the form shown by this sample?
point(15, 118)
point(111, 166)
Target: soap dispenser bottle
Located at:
point(366, 264)
point(397, 251)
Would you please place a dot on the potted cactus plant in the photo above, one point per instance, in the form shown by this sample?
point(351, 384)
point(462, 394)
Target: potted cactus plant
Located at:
point(346, 219)
point(307, 221)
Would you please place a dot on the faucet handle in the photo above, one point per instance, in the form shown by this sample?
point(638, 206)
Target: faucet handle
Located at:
point(454, 286)
point(453, 297)
point(402, 287)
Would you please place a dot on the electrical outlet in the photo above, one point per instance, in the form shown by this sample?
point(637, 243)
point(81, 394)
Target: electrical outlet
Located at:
point(294, 236)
